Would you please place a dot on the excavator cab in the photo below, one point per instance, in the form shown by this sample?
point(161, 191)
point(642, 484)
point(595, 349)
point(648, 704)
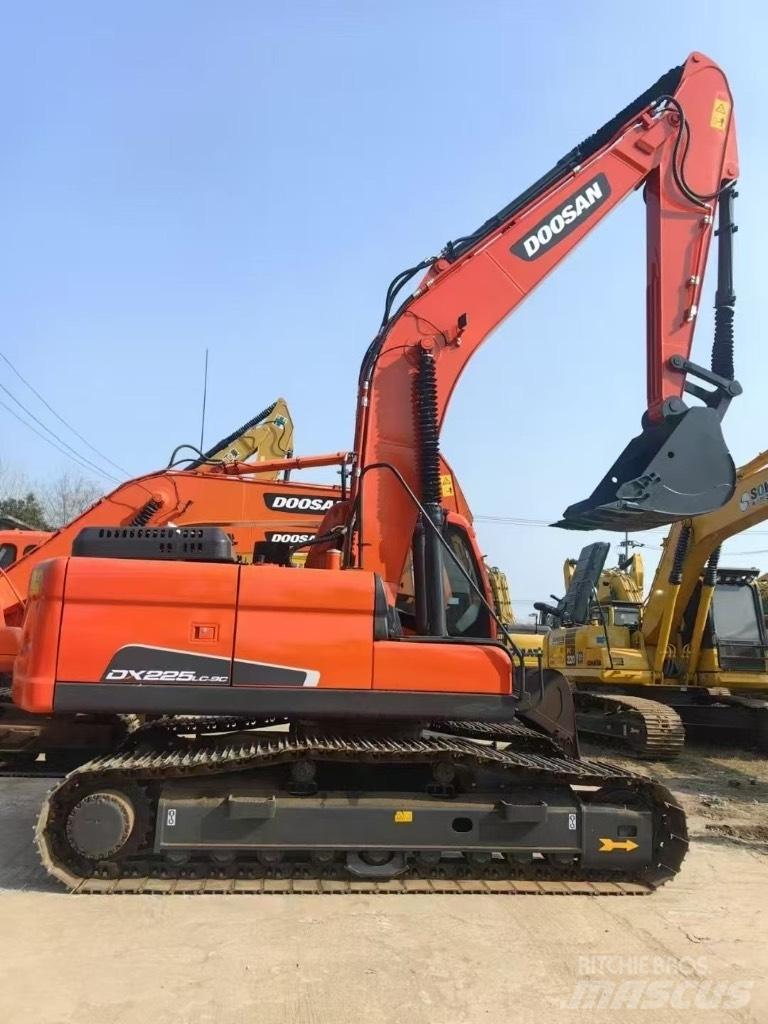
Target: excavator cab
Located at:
point(673, 470)
point(735, 638)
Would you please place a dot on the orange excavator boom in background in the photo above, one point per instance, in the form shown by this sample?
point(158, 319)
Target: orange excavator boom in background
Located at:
point(258, 510)
point(383, 656)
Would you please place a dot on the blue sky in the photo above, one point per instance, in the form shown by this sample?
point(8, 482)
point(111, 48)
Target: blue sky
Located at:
point(248, 177)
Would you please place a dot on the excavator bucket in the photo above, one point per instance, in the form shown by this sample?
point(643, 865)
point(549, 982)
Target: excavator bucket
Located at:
point(672, 470)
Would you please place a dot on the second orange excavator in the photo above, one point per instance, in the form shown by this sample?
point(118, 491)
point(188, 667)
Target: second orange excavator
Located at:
point(256, 509)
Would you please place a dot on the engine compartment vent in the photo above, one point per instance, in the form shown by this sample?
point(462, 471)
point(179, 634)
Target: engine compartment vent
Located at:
point(159, 543)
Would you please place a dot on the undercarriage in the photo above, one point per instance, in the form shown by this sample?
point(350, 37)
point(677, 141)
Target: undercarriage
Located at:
point(657, 728)
point(233, 805)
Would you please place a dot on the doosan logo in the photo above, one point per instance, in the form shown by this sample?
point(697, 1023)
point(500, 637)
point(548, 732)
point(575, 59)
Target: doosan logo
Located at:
point(757, 495)
point(298, 502)
point(290, 538)
point(564, 220)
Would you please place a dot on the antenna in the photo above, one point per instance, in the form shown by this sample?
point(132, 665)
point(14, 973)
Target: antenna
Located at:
point(205, 396)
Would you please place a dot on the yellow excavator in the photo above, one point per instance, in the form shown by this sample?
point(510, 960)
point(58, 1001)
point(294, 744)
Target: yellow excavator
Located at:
point(526, 637)
point(692, 658)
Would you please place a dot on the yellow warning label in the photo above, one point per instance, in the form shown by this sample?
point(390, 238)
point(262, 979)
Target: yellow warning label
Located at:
point(609, 845)
point(35, 582)
point(446, 485)
point(403, 817)
point(721, 110)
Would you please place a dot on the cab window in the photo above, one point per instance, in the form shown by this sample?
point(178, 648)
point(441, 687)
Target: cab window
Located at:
point(466, 614)
point(406, 595)
point(735, 614)
point(7, 555)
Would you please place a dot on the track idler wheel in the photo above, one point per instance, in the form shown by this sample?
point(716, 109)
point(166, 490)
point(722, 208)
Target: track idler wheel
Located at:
point(100, 824)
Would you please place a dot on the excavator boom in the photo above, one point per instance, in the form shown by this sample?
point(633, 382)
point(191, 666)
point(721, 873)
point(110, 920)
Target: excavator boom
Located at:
point(704, 536)
point(269, 435)
point(677, 142)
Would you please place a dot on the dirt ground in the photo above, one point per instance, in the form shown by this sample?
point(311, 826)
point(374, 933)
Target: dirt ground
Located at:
point(697, 948)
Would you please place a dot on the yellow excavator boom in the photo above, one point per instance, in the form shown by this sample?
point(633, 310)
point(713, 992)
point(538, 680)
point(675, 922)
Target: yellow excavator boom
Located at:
point(695, 541)
point(267, 436)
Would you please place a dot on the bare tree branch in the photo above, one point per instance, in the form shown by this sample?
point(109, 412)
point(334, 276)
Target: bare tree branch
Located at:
point(66, 497)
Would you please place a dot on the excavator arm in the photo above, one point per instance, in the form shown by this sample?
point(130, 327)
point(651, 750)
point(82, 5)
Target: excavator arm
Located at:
point(693, 546)
point(677, 141)
point(269, 435)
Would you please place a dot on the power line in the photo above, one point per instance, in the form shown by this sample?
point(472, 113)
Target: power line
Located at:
point(61, 419)
point(43, 436)
point(78, 455)
point(511, 521)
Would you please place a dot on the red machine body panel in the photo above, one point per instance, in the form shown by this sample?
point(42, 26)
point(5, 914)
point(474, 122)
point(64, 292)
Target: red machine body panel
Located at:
point(112, 603)
point(314, 624)
point(34, 677)
point(441, 668)
point(141, 623)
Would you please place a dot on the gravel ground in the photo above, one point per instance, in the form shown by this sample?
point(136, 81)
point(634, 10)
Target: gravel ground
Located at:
point(697, 947)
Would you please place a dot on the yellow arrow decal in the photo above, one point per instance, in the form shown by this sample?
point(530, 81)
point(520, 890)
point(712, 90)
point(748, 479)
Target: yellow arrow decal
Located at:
point(609, 845)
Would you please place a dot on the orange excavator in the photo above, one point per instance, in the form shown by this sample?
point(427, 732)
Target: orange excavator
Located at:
point(191, 491)
point(14, 544)
point(382, 659)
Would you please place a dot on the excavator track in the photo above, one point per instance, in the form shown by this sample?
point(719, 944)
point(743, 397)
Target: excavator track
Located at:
point(158, 759)
point(715, 715)
point(65, 740)
point(642, 727)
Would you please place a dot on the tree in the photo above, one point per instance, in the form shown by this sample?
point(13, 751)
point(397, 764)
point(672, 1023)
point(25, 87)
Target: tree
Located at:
point(66, 497)
point(48, 505)
point(13, 481)
point(27, 509)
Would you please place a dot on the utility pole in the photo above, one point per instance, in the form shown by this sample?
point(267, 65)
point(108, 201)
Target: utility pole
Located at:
point(628, 545)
